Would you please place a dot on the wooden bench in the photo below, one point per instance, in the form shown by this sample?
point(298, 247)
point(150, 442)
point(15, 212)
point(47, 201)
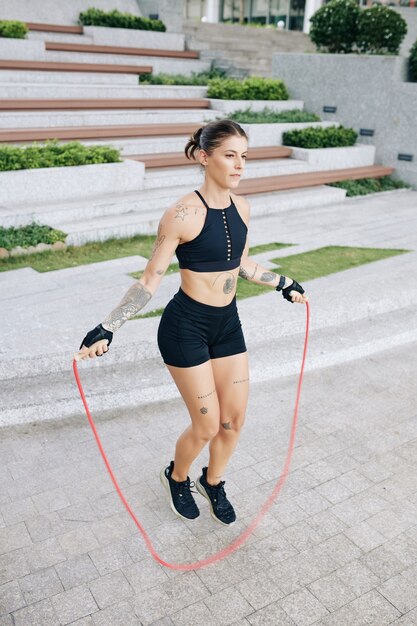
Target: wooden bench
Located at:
point(97, 103)
point(146, 52)
point(310, 179)
point(96, 132)
point(172, 159)
point(49, 66)
point(55, 28)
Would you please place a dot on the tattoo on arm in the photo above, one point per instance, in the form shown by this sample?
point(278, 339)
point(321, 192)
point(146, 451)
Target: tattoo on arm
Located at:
point(181, 210)
point(134, 300)
point(158, 241)
point(267, 277)
point(244, 274)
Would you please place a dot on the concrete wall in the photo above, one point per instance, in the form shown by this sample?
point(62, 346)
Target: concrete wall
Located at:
point(410, 16)
point(368, 91)
point(60, 11)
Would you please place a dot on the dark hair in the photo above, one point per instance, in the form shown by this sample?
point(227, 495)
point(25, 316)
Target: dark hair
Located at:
point(211, 136)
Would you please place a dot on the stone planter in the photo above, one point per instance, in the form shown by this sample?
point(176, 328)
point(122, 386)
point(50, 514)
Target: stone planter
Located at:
point(69, 183)
point(336, 158)
point(229, 106)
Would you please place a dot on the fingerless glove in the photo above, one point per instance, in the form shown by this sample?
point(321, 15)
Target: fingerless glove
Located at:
point(97, 334)
point(293, 287)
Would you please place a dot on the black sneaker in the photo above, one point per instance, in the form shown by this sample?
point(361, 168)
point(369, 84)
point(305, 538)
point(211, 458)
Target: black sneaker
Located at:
point(220, 507)
point(181, 500)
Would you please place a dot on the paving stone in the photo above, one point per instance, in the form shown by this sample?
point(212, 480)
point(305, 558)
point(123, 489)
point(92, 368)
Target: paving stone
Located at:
point(194, 615)
point(52, 500)
point(326, 524)
point(121, 614)
point(331, 592)
point(109, 558)
point(13, 565)
point(271, 615)
point(77, 570)
point(228, 606)
point(410, 619)
point(389, 523)
point(303, 607)
point(334, 491)
point(296, 572)
point(275, 548)
point(113, 528)
point(370, 608)
point(165, 621)
point(78, 541)
point(18, 511)
point(222, 574)
point(73, 604)
point(401, 592)
point(11, 597)
point(312, 502)
point(354, 481)
point(110, 589)
point(259, 590)
point(40, 585)
point(39, 614)
point(341, 549)
point(44, 554)
point(358, 577)
point(302, 536)
point(364, 536)
point(145, 574)
point(13, 538)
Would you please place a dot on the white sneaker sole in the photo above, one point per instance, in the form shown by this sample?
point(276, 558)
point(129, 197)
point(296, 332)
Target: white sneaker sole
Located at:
point(165, 482)
point(204, 493)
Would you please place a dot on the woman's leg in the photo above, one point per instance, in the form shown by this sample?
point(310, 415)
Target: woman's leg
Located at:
point(198, 389)
point(231, 376)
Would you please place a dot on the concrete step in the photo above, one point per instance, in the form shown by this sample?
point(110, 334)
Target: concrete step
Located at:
point(144, 209)
point(108, 90)
point(61, 66)
point(34, 35)
point(133, 373)
point(171, 159)
point(89, 48)
point(169, 176)
point(44, 77)
point(57, 119)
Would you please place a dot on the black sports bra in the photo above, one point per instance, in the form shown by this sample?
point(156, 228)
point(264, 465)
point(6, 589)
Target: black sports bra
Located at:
point(219, 245)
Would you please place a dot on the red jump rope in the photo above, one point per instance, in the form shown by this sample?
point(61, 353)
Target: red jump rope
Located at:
point(221, 554)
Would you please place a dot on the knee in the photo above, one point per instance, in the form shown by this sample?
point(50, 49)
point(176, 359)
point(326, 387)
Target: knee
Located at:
point(232, 424)
point(207, 432)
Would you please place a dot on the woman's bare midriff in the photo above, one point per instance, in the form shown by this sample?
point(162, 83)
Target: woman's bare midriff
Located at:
point(213, 288)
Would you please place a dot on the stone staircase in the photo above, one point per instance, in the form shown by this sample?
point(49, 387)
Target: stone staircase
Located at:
point(243, 50)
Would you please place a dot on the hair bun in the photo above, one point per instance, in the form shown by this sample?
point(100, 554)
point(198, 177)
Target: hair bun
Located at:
point(193, 144)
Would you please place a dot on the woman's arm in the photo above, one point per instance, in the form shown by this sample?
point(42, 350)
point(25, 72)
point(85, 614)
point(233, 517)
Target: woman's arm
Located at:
point(142, 291)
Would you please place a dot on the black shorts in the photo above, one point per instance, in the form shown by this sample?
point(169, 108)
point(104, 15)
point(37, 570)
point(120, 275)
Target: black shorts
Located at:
point(191, 332)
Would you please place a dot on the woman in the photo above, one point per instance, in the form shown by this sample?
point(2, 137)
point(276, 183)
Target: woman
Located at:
point(200, 336)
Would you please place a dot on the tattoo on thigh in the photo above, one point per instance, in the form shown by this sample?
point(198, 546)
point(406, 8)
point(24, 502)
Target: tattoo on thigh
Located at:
point(227, 425)
point(204, 410)
point(206, 395)
point(244, 380)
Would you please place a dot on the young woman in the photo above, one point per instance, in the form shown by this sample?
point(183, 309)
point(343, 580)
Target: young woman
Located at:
point(200, 336)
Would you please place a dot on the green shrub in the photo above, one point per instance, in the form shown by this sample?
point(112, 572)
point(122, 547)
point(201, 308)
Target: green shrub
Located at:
point(318, 137)
point(54, 154)
point(364, 186)
point(116, 19)
point(380, 30)
point(29, 235)
point(196, 78)
point(413, 62)
point(334, 26)
point(13, 29)
point(268, 116)
point(252, 88)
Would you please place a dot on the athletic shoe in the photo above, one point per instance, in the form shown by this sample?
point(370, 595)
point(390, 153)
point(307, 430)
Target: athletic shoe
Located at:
point(220, 508)
point(181, 500)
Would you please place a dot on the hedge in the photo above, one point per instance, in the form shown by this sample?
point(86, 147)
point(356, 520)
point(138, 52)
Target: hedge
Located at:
point(54, 154)
point(116, 19)
point(334, 26)
point(318, 137)
point(268, 116)
point(196, 78)
point(252, 88)
point(413, 62)
point(380, 30)
point(13, 29)
point(29, 235)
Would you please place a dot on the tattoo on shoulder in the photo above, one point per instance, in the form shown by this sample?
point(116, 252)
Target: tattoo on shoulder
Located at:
point(268, 277)
point(181, 211)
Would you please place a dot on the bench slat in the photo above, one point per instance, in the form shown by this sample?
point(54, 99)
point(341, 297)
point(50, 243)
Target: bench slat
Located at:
point(50, 66)
point(93, 48)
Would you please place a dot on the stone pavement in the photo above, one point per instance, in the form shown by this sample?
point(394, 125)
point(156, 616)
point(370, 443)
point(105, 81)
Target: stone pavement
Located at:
point(338, 548)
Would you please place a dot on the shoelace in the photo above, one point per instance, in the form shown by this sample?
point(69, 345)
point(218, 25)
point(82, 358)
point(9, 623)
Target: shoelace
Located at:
point(220, 495)
point(184, 490)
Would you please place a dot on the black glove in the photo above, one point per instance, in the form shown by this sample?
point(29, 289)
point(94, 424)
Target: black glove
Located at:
point(97, 334)
point(293, 287)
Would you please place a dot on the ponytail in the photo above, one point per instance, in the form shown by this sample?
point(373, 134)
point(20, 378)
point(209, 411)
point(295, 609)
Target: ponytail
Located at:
point(193, 144)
